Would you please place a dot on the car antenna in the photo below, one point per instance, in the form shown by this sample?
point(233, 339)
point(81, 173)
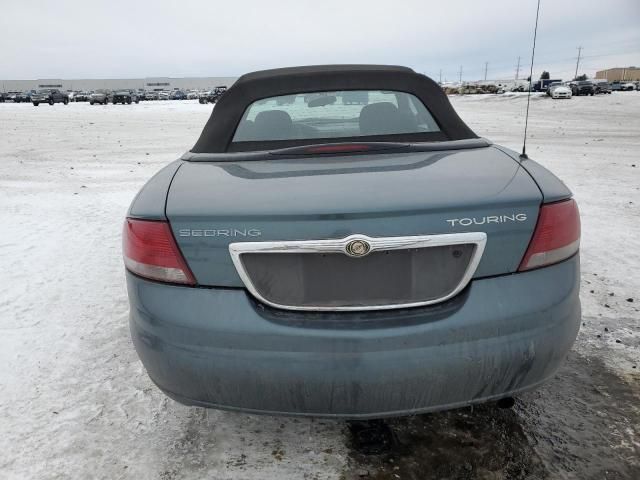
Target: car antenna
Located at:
point(523, 155)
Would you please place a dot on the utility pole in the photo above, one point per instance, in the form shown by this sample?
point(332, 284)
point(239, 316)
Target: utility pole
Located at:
point(460, 74)
point(578, 62)
point(486, 66)
point(440, 76)
point(518, 69)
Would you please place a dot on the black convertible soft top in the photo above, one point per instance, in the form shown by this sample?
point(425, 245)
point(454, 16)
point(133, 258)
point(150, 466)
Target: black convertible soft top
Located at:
point(218, 132)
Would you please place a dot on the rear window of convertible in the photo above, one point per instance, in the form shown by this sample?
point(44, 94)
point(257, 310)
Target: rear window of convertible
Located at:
point(334, 115)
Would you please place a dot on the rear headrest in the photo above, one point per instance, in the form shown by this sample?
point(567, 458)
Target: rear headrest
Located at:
point(245, 131)
point(273, 125)
point(379, 119)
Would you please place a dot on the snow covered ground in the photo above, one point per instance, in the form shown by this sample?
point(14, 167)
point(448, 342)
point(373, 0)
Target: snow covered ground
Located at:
point(75, 401)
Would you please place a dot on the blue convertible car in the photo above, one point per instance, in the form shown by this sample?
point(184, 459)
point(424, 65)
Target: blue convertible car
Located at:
point(339, 243)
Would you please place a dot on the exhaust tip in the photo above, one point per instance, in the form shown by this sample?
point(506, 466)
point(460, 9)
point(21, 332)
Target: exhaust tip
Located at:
point(506, 402)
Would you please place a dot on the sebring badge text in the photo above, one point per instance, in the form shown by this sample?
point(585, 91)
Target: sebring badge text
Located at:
point(219, 232)
point(465, 222)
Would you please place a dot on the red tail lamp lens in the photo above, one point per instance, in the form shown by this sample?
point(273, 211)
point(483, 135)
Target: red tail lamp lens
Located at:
point(151, 251)
point(556, 237)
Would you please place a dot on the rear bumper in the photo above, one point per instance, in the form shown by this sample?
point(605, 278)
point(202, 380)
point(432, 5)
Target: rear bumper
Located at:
point(219, 348)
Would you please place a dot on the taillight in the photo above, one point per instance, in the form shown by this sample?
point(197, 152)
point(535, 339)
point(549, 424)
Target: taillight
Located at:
point(151, 251)
point(556, 237)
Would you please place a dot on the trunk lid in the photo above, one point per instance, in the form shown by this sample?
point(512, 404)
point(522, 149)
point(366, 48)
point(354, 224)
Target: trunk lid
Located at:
point(211, 205)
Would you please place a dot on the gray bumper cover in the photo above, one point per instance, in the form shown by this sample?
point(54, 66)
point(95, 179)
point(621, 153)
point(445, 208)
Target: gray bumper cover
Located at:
point(220, 348)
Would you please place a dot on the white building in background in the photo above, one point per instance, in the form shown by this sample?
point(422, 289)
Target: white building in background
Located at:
point(149, 83)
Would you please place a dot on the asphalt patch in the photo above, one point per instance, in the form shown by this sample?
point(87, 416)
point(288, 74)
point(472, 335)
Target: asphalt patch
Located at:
point(483, 442)
point(582, 424)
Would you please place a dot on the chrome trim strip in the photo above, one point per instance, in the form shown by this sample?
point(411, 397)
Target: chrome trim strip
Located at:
point(377, 243)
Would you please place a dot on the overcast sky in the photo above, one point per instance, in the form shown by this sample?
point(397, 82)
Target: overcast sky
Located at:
point(123, 39)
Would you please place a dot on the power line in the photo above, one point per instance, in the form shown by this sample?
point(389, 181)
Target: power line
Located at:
point(553, 62)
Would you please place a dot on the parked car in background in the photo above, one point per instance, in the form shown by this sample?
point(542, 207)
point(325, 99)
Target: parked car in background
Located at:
point(178, 95)
point(100, 96)
point(622, 86)
point(582, 87)
point(560, 91)
point(73, 95)
point(203, 96)
point(50, 96)
point(23, 97)
point(81, 96)
point(11, 96)
point(124, 97)
point(193, 95)
point(151, 95)
point(164, 95)
point(219, 91)
point(360, 262)
point(601, 86)
point(552, 86)
point(214, 95)
point(543, 84)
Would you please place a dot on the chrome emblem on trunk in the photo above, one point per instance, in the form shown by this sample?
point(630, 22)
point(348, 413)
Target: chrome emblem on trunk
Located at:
point(357, 248)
